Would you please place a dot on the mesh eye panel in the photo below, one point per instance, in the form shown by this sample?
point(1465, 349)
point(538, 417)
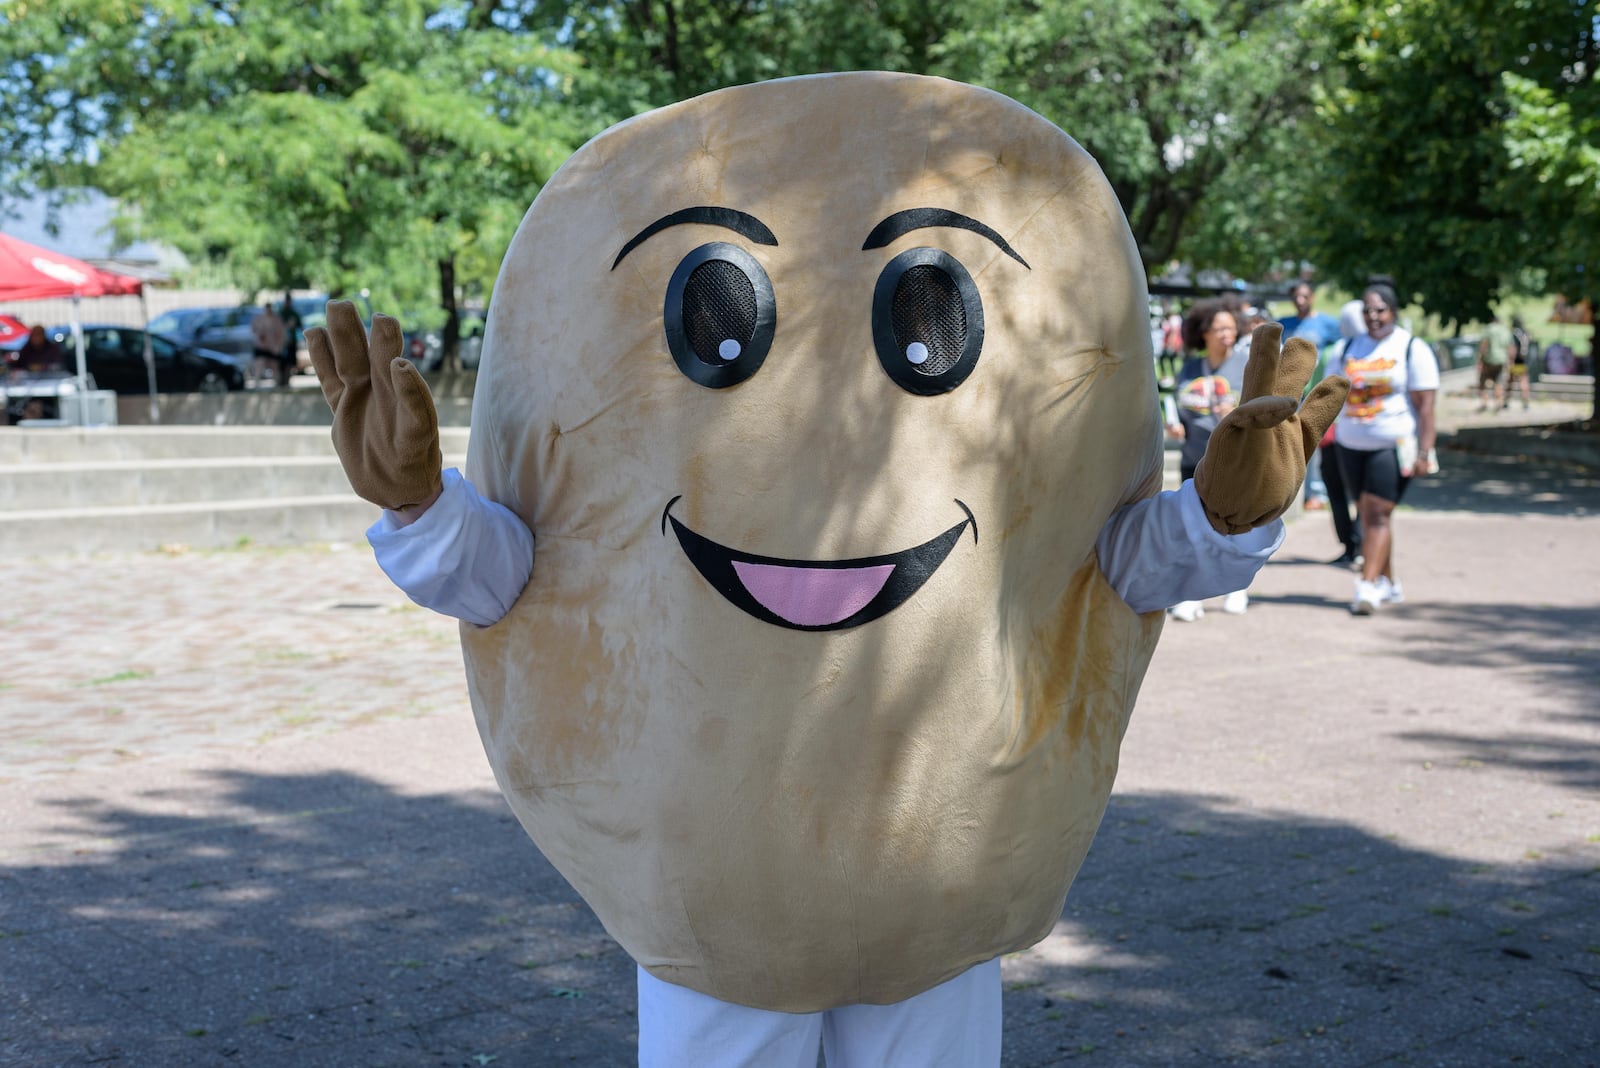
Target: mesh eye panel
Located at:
point(927, 308)
point(719, 302)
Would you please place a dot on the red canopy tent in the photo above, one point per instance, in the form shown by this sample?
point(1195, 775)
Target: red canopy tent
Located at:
point(28, 272)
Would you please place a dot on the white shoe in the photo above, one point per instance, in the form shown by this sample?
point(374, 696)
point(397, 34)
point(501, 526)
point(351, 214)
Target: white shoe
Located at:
point(1187, 611)
point(1236, 602)
point(1390, 591)
point(1368, 597)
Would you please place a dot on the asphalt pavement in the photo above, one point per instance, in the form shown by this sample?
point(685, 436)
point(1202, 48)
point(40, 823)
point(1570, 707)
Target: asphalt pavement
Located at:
point(245, 820)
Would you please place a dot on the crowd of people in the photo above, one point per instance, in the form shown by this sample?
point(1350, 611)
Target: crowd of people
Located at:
point(1502, 365)
point(1381, 442)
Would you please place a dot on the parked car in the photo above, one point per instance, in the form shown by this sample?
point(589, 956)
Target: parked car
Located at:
point(114, 358)
point(425, 347)
point(313, 311)
point(224, 329)
point(1456, 352)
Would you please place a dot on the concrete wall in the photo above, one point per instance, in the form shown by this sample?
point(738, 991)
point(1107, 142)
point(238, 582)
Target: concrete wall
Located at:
point(300, 406)
point(120, 311)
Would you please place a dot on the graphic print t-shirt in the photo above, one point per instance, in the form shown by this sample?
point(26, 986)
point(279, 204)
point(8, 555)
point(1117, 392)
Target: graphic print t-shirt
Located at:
point(1201, 393)
point(1378, 412)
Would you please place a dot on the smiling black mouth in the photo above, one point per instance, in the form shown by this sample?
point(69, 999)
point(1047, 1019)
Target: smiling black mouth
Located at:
point(816, 594)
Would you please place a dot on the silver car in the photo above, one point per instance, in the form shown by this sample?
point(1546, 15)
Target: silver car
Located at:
point(225, 329)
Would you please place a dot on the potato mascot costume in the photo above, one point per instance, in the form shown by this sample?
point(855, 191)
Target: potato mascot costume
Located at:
point(816, 395)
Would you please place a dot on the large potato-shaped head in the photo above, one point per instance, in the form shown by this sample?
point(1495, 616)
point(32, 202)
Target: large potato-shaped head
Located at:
point(815, 394)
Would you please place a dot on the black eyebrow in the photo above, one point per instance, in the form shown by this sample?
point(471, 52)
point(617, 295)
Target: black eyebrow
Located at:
point(903, 222)
point(739, 222)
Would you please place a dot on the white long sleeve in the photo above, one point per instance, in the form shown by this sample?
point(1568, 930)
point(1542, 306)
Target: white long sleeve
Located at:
point(466, 556)
point(469, 558)
point(1163, 550)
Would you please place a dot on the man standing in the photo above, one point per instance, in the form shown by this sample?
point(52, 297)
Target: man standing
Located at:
point(1493, 351)
point(289, 357)
point(268, 333)
point(1321, 330)
point(1316, 327)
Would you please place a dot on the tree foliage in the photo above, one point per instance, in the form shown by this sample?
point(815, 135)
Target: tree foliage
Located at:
point(342, 143)
point(357, 143)
point(1189, 106)
point(1452, 146)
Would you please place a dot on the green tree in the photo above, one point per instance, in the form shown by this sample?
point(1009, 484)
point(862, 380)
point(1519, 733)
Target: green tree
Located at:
point(341, 143)
point(641, 54)
point(1430, 174)
point(1190, 106)
point(1552, 142)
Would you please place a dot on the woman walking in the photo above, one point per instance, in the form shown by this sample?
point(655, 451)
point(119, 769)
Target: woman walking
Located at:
point(1207, 388)
point(1385, 434)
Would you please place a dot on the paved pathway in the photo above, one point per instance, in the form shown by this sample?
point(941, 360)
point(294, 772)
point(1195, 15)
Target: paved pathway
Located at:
point(229, 836)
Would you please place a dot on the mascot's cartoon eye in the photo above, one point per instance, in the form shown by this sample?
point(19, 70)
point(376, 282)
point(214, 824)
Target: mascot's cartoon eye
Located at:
point(927, 321)
point(720, 315)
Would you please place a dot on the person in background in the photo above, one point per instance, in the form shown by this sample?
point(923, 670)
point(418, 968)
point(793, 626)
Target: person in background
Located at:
point(1517, 369)
point(1346, 528)
point(1385, 434)
point(1493, 351)
point(289, 358)
point(1207, 388)
point(1321, 330)
point(267, 330)
point(38, 353)
point(1249, 317)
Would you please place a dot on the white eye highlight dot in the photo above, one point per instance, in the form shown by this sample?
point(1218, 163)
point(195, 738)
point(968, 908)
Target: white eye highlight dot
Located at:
point(729, 350)
point(917, 353)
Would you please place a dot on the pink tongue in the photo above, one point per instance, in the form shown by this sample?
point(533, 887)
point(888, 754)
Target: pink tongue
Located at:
point(812, 596)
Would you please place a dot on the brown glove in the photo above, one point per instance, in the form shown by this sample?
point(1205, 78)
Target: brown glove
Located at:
point(385, 429)
point(1256, 458)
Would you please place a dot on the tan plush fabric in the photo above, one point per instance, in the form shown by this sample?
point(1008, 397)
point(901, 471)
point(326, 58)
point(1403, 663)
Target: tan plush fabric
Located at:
point(797, 819)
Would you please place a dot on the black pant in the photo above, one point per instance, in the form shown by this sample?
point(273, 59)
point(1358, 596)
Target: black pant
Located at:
point(1345, 527)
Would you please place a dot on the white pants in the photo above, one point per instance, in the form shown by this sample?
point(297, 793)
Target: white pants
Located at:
point(954, 1025)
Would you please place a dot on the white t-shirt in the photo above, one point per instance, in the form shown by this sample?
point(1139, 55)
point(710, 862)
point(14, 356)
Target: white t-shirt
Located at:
point(1378, 412)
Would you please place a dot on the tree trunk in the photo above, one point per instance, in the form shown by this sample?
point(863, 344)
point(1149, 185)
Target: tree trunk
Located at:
point(450, 335)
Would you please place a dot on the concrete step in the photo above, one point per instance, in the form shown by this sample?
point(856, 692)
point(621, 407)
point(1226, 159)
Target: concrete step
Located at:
point(1572, 387)
point(112, 444)
point(199, 525)
point(74, 490)
point(127, 483)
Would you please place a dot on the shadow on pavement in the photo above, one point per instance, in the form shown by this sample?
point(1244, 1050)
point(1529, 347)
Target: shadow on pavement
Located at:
point(1197, 935)
point(323, 920)
point(1555, 643)
point(1505, 485)
point(328, 920)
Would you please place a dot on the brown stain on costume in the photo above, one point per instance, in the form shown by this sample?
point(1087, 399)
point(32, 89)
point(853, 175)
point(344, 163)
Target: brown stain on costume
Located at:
point(1078, 666)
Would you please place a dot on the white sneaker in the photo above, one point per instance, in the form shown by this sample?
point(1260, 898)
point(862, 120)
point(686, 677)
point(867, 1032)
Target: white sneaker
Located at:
point(1187, 611)
point(1368, 597)
point(1390, 591)
point(1236, 602)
